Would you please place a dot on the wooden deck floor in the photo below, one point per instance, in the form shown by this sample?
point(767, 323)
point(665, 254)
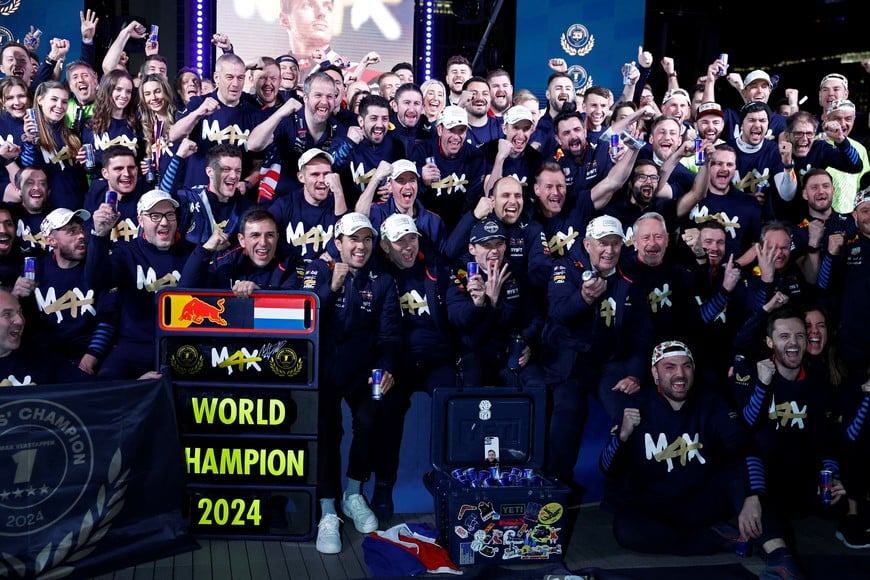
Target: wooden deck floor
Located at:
point(591, 546)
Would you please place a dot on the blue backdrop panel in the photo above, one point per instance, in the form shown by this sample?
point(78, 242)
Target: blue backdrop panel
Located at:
point(595, 39)
point(56, 19)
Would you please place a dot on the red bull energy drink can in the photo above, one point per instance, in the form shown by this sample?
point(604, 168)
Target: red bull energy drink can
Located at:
point(700, 154)
point(155, 30)
point(30, 268)
point(826, 486)
point(473, 269)
point(614, 145)
point(33, 40)
point(31, 114)
point(112, 199)
point(90, 156)
point(377, 378)
point(723, 70)
point(430, 160)
point(742, 547)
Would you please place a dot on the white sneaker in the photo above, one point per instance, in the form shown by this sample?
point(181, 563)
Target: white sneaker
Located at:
point(356, 508)
point(329, 534)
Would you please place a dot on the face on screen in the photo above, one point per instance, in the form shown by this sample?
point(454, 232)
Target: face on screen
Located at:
point(309, 25)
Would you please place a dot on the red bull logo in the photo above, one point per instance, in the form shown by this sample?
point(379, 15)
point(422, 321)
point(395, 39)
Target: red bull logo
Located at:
point(195, 311)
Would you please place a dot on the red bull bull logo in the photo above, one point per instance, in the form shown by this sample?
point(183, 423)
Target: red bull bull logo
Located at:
point(195, 311)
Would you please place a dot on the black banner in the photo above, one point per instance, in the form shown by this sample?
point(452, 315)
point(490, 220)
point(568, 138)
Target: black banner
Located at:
point(93, 478)
point(253, 460)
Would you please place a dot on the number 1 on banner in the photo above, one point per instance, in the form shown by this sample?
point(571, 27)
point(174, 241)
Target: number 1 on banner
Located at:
point(24, 461)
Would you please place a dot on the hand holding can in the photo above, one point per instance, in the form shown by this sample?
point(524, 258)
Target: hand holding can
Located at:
point(377, 378)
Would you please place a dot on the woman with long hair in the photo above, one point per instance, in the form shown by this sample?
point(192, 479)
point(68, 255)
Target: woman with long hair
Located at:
point(114, 121)
point(187, 84)
point(50, 144)
point(157, 111)
point(15, 100)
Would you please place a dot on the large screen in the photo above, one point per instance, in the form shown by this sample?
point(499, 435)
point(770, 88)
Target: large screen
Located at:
point(345, 28)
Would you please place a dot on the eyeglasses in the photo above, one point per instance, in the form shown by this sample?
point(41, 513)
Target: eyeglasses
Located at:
point(157, 217)
point(651, 178)
point(805, 134)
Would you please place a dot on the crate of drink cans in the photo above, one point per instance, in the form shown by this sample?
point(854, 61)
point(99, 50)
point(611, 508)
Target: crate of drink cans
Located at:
point(493, 503)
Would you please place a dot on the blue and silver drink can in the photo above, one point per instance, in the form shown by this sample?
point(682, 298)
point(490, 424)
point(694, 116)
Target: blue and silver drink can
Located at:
point(377, 378)
point(614, 145)
point(30, 268)
point(457, 473)
point(112, 199)
point(155, 30)
point(90, 156)
point(34, 39)
point(700, 154)
point(472, 268)
point(626, 73)
point(826, 485)
point(31, 114)
point(430, 160)
point(723, 70)
point(742, 547)
point(528, 472)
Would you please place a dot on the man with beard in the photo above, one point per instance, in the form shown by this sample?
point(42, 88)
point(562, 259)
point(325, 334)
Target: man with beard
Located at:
point(738, 212)
point(491, 310)
point(789, 412)
point(560, 91)
point(501, 91)
point(666, 285)
point(402, 182)
point(83, 82)
point(359, 331)
point(811, 234)
point(32, 185)
point(584, 165)
point(760, 171)
point(293, 129)
point(454, 182)
point(805, 151)
point(137, 269)
point(406, 112)
point(845, 279)
point(307, 219)
point(358, 156)
point(595, 339)
point(512, 154)
point(458, 71)
point(249, 266)
point(63, 305)
point(11, 258)
point(217, 118)
point(482, 128)
point(674, 503)
point(641, 197)
point(709, 124)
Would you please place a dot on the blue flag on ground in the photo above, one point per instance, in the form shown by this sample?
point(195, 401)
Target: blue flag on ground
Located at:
point(91, 478)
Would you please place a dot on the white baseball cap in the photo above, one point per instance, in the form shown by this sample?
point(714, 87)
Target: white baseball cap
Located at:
point(453, 116)
point(151, 198)
point(352, 222)
point(60, 217)
point(398, 225)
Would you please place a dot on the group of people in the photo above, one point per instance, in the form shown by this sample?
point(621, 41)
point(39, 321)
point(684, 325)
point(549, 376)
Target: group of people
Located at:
point(697, 269)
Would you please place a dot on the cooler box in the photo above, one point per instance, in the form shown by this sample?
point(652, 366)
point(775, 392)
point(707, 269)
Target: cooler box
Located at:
point(515, 518)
